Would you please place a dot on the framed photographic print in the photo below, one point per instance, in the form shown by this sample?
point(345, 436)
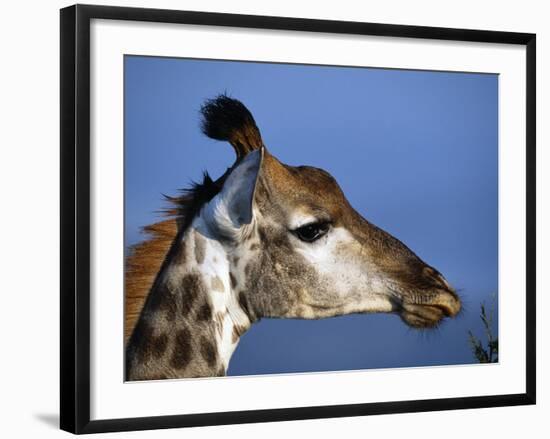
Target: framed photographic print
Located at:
point(268, 218)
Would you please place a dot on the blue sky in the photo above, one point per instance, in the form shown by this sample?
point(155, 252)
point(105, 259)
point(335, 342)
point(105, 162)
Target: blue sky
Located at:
point(416, 153)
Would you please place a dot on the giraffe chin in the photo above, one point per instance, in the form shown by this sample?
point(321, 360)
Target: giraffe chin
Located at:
point(429, 315)
point(422, 316)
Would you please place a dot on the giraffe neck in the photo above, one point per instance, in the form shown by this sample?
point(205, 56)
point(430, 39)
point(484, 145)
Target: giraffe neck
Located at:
point(192, 320)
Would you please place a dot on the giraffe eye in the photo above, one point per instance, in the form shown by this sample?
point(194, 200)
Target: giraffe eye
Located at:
point(313, 231)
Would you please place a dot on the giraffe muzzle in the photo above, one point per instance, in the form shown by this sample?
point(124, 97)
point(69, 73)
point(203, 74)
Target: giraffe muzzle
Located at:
point(428, 310)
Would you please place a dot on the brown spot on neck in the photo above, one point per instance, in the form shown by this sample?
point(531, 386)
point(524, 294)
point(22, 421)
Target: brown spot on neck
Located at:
point(148, 346)
point(159, 345)
point(162, 300)
point(205, 312)
point(208, 352)
point(181, 355)
point(191, 288)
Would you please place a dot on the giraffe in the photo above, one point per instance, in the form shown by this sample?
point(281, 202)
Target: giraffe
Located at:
point(264, 240)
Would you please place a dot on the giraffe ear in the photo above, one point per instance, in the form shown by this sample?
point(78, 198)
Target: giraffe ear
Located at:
point(233, 207)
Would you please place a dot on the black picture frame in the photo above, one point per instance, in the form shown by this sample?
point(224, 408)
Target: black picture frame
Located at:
point(75, 217)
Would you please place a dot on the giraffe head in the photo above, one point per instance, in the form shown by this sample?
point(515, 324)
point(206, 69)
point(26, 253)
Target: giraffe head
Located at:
point(296, 246)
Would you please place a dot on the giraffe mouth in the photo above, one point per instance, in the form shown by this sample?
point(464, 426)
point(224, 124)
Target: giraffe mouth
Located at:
point(430, 310)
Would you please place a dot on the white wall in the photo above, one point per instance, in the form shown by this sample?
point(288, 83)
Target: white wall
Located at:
point(30, 203)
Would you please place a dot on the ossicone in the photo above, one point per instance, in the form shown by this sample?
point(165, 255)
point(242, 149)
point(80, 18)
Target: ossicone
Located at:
point(225, 118)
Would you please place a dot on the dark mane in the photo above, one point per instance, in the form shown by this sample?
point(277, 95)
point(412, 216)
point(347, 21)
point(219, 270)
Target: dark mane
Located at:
point(187, 204)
